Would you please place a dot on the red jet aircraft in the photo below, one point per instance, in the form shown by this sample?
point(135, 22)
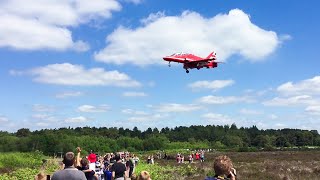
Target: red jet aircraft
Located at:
point(191, 61)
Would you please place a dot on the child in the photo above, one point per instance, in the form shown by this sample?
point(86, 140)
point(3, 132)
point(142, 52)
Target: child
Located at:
point(144, 175)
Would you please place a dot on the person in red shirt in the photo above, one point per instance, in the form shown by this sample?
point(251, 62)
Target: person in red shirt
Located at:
point(197, 156)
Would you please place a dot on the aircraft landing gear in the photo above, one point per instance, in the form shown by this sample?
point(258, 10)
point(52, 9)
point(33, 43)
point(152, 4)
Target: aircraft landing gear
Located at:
point(169, 64)
point(187, 71)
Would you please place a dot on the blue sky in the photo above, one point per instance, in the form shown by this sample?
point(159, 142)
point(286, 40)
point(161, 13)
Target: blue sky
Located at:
point(99, 63)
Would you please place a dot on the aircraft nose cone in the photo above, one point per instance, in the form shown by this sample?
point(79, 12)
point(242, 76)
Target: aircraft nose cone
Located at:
point(166, 58)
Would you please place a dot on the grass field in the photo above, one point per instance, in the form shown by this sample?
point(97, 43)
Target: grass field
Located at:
point(295, 165)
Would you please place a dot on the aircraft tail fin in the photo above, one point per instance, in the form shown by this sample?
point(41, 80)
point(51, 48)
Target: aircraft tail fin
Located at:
point(212, 56)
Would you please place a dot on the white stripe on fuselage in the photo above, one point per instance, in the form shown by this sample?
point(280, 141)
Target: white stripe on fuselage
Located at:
point(183, 59)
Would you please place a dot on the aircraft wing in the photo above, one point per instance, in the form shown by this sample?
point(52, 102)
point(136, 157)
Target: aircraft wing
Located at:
point(178, 60)
point(196, 61)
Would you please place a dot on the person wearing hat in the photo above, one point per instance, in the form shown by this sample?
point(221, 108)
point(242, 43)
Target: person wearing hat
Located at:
point(92, 157)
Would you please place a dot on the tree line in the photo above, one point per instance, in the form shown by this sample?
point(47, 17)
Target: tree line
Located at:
point(112, 139)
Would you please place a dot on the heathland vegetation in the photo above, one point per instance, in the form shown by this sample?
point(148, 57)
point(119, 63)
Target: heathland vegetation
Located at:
point(17, 165)
point(263, 165)
point(257, 154)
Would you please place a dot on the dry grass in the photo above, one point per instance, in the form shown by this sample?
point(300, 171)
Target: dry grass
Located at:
point(277, 165)
point(295, 165)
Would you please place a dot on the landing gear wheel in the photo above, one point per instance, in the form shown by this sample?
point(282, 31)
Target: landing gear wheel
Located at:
point(187, 71)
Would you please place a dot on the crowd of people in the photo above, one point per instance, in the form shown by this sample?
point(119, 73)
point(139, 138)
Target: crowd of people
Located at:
point(111, 166)
point(120, 166)
point(192, 157)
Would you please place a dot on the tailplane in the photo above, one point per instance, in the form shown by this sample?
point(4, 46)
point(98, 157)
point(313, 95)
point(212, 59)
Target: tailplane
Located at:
point(212, 56)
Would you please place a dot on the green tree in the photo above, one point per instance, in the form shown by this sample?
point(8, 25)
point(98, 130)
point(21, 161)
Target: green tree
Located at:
point(155, 143)
point(23, 132)
point(218, 145)
point(136, 132)
point(8, 143)
point(282, 141)
point(233, 141)
point(262, 141)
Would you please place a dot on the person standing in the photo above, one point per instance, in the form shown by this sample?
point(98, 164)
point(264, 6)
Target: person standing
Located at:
point(136, 160)
point(197, 155)
point(92, 157)
point(107, 173)
point(202, 156)
point(129, 165)
point(118, 169)
point(69, 172)
point(190, 159)
point(90, 174)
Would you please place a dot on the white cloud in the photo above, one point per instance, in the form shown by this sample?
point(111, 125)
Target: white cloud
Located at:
point(133, 112)
point(134, 94)
point(225, 99)
point(77, 75)
point(42, 120)
point(42, 108)
point(145, 118)
point(93, 109)
point(273, 116)
point(44, 117)
point(161, 35)
point(173, 107)
point(257, 93)
point(142, 116)
point(3, 119)
point(33, 25)
point(315, 110)
point(291, 101)
point(308, 86)
point(69, 94)
point(81, 46)
point(30, 34)
point(279, 126)
point(39, 116)
point(303, 94)
point(213, 85)
point(42, 124)
point(219, 119)
point(250, 112)
point(153, 17)
point(79, 119)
